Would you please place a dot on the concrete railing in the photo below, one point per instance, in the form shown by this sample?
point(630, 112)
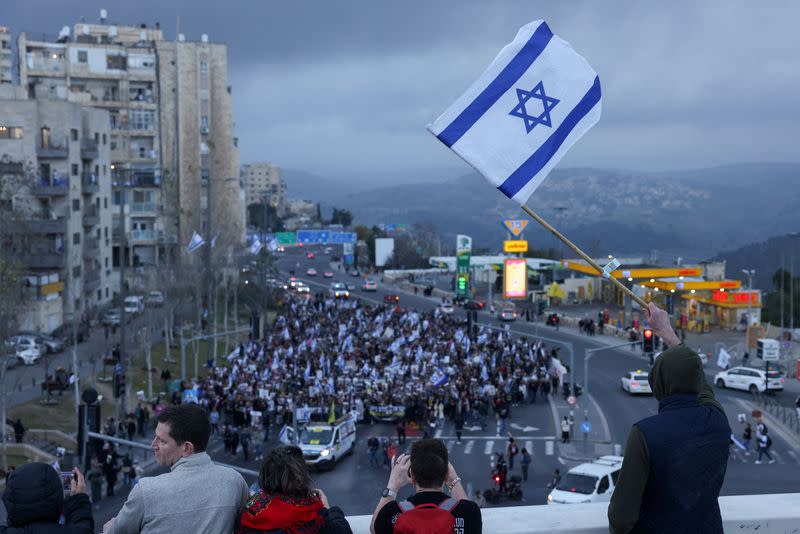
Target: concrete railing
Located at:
point(62, 439)
point(765, 514)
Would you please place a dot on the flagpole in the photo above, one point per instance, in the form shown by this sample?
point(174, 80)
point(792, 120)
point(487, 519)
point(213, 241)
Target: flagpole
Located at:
point(582, 254)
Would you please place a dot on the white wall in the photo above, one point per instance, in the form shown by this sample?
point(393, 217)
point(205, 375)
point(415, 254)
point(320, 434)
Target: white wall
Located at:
point(384, 248)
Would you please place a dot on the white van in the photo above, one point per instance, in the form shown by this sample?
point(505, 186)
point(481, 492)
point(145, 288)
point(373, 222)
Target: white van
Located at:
point(134, 304)
point(591, 482)
point(324, 444)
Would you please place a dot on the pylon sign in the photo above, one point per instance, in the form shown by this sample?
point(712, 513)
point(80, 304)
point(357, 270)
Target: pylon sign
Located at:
point(515, 226)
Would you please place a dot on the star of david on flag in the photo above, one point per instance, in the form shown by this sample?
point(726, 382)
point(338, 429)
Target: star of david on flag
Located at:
point(537, 81)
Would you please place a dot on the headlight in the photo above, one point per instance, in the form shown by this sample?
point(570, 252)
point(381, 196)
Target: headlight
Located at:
point(549, 499)
point(324, 453)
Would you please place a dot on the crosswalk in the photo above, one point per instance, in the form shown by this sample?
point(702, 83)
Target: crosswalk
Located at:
point(781, 458)
point(490, 446)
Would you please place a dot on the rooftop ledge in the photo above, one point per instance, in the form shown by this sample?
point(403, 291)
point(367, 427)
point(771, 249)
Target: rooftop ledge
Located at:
point(765, 514)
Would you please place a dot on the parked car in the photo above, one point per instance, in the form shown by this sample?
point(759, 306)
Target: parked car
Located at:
point(112, 317)
point(155, 299)
point(134, 304)
point(65, 334)
point(391, 298)
point(26, 352)
point(27, 341)
point(750, 379)
point(52, 344)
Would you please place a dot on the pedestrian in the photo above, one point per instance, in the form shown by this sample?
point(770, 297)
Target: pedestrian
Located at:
point(652, 486)
point(19, 430)
point(401, 430)
point(429, 510)
point(34, 502)
point(747, 435)
point(227, 439)
point(512, 451)
point(797, 407)
point(235, 441)
point(196, 495)
point(553, 484)
point(764, 444)
point(525, 462)
point(745, 356)
point(372, 450)
point(246, 440)
point(565, 428)
point(127, 470)
point(110, 470)
point(480, 500)
point(286, 500)
point(459, 424)
point(213, 418)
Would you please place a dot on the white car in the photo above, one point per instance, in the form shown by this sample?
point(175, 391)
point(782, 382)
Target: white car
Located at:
point(29, 355)
point(446, 308)
point(155, 299)
point(591, 482)
point(134, 304)
point(507, 314)
point(370, 285)
point(749, 379)
point(302, 288)
point(339, 290)
point(636, 382)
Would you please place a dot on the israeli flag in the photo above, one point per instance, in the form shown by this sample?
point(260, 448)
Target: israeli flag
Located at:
point(273, 245)
point(214, 241)
point(256, 247)
point(438, 378)
point(196, 242)
point(516, 122)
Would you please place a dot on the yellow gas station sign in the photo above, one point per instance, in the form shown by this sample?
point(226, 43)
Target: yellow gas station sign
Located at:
point(515, 245)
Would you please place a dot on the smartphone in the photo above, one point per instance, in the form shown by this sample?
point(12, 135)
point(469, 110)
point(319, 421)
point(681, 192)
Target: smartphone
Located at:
point(66, 478)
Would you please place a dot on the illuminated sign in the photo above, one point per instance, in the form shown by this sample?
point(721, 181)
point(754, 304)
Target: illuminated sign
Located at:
point(515, 226)
point(736, 297)
point(515, 278)
point(517, 245)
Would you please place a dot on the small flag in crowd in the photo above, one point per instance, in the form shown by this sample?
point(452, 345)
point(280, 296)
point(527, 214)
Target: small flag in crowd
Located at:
point(214, 241)
point(438, 378)
point(196, 242)
point(256, 247)
point(533, 102)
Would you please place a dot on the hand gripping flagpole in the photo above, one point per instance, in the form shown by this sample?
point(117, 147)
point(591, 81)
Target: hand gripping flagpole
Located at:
point(582, 254)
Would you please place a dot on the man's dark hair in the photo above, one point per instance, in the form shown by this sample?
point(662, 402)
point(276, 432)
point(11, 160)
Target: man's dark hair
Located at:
point(187, 422)
point(284, 471)
point(429, 463)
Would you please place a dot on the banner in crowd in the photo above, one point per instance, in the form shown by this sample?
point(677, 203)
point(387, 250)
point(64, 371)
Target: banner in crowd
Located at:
point(387, 412)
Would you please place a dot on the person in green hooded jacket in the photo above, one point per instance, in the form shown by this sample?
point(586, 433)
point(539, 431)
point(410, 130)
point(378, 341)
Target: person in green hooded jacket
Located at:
point(675, 462)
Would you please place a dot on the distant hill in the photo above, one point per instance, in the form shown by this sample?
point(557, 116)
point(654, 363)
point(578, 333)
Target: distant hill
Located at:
point(765, 257)
point(687, 213)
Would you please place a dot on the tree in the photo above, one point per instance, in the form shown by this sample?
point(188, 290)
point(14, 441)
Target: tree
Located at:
point(264, 217)
point(341, 216)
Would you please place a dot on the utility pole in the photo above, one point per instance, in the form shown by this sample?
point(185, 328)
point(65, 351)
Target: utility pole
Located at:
point(123, 291)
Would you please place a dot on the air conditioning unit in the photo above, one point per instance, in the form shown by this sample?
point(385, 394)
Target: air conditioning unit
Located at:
point(204, 130)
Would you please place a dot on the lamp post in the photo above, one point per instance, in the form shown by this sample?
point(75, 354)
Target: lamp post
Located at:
point(750, 273)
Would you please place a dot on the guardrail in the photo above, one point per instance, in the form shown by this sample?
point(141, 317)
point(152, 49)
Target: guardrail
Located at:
point(786, 414)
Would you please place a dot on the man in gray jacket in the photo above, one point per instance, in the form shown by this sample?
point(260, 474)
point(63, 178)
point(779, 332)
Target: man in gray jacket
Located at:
point(196, 495)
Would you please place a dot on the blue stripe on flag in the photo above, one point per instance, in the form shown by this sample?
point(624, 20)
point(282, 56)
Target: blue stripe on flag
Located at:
point(519, 178)
point(502, 83)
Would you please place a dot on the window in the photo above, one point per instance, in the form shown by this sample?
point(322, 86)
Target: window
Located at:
point(97, 138)
point(143, 119)
point(10, 132)
point(76, 238)
point(105, 230)
point(76, 204)
point(117, 62)
point(83, 56)
point(107, 268)
point(73, 134)
point(76, 271)
point(603, 486)
point(99, 294)
point(74, 169)
point(106, 292)
point(204, 67)
point(105, 199)
point(615, 477)
point(105, 139)
point(204, 121)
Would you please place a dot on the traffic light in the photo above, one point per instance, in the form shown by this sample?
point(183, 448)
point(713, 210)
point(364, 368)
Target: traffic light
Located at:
point(648, 341)
point(461, 283)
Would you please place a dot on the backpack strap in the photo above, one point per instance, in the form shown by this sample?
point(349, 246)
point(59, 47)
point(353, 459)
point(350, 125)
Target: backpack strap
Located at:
point(448, 504)
point(405, 506)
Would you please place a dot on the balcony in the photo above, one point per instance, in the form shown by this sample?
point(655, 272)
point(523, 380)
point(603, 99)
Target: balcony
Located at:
point(44, 259)
point(52, 150)
point(56, 186)
point(140, 236)
point(91, 217)
point(45, 63)
point(91, 248)
point(91, 280)
point(143, 207)
point(90, 183)
point(136, 178)
point(11, 167)
point(89, 149)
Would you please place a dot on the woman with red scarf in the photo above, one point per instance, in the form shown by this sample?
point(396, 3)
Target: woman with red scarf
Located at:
point(287, 502)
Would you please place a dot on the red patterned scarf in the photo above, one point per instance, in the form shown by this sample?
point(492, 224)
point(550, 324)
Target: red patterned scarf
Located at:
point(272, 512)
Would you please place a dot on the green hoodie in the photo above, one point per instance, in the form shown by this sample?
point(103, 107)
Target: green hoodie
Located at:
point(676, 370)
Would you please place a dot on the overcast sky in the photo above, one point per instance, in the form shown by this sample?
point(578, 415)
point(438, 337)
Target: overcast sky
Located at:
point(347, 87)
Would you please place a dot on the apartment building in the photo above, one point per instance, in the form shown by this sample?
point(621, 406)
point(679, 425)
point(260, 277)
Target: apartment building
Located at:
point(6, 56)
point(55, 164)
point(171, 130)
point(265, 180)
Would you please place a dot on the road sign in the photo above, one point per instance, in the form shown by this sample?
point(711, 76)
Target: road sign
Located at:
point(586, 427)
point(515, 226)
point(515, 245)
point(325, 237)
point(768, 350)
point(286, 238)
point(571, 400)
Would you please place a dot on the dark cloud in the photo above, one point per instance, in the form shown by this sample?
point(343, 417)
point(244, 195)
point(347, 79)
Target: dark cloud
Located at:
point(347, 87)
